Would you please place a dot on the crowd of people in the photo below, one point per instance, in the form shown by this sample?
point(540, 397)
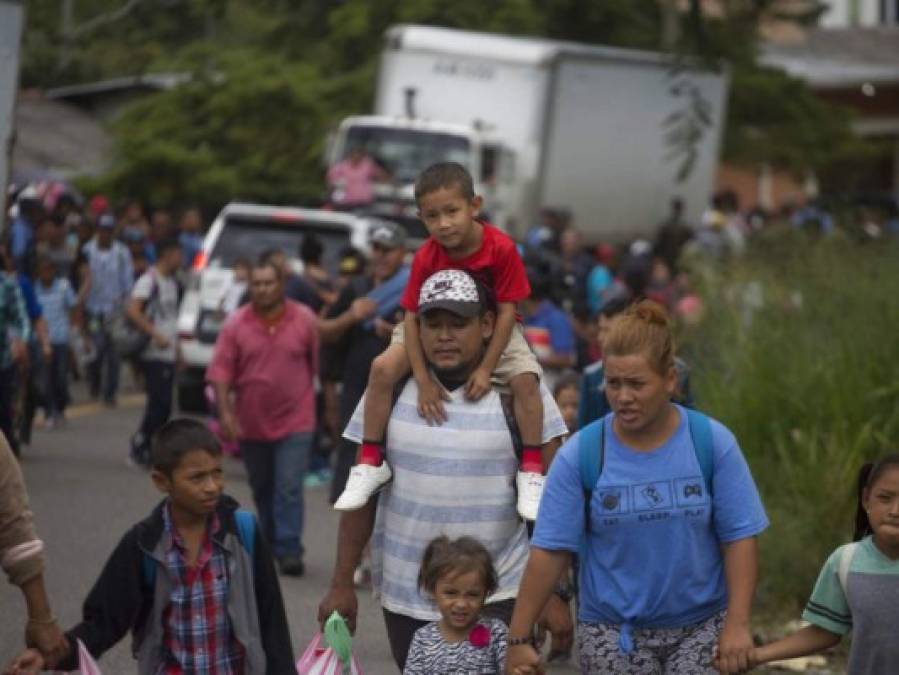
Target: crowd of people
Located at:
point(509, 428)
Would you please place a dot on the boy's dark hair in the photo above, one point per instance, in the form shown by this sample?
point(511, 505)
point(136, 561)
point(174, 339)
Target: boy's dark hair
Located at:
point(444, 175)
point(166, 245)
point(460, 556)
point(567, 380)
point(868, 475)
point(176, 438)
point(311, 249)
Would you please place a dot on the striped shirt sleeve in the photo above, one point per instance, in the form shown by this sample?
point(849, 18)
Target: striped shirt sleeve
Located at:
point(828, 608)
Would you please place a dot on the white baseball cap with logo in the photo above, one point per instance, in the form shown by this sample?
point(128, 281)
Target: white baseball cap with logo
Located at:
point(454, 291)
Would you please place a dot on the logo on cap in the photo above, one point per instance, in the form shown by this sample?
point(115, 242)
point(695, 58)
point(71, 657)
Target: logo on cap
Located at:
point(452, 290)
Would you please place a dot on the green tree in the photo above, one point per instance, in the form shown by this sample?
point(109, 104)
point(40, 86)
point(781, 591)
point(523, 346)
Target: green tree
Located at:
point(309, 63)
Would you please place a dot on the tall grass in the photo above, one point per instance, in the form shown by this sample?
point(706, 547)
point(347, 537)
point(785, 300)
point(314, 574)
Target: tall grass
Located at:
point(798, 354)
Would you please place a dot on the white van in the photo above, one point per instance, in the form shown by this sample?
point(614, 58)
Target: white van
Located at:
point(245, 231)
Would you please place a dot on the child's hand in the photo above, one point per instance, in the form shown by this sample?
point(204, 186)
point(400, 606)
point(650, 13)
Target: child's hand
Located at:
point(430, 402)
point(49, 640)
point(734, 648)
point(478, 385)
point(29, 662)
point(523, 660)
point(754, 660)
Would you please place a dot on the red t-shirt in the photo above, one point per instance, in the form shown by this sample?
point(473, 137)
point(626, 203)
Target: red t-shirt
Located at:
point(496, 264)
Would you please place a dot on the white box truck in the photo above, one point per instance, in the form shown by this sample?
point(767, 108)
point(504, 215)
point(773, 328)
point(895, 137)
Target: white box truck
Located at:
point(12, 14)
point(542, 123)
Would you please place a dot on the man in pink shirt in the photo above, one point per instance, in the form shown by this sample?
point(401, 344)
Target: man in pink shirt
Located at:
point(267, 354)
point(351, 180)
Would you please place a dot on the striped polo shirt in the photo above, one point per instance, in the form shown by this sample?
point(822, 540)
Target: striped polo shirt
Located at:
point(868, 606)
point(455, 479)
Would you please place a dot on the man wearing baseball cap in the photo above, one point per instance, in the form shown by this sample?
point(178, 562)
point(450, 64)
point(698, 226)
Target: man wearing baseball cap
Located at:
point(455, 479)
point(356, 329)
point(111, 276)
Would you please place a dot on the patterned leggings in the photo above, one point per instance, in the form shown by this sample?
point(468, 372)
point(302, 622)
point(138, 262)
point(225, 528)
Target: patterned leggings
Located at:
point(657, 651)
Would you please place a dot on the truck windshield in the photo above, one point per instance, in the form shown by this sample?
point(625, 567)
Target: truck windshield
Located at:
point(407, 152)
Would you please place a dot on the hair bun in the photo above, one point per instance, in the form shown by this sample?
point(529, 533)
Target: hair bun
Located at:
point(650, 312)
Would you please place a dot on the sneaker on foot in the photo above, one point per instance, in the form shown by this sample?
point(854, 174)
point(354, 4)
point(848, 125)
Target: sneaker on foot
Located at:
point(530, 489)
point(364, 481)
point(291, 566)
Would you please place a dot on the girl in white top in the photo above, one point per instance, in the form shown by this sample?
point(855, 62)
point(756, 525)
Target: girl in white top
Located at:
point(458, 575)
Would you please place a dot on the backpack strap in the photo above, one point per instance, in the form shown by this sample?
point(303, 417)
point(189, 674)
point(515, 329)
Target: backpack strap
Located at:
point(509, 413)
point(246, 532)
point(703, 445)
point(847, 553)
point(591, 457)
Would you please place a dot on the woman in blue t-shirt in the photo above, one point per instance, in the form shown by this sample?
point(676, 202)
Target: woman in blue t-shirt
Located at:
point(668, 553)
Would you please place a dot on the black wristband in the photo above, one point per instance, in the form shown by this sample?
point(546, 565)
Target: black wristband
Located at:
point(514, 642)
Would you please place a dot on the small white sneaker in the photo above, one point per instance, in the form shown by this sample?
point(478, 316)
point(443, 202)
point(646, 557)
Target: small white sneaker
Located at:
point(364, 481)
point(530, 489)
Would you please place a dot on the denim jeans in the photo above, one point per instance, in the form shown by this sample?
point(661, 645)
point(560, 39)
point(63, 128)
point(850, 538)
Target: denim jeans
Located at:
point(32, 391)
point(56, 381)
point(275, 470)
point(159, 381)
point(8, 383)
point(107, 355)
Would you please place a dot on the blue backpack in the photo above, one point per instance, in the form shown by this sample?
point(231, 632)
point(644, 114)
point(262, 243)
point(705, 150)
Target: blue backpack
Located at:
point(591, 454)
point(246, 530)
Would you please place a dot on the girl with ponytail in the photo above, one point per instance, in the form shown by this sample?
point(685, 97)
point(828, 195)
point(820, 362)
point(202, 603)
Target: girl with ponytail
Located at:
point(858, 588)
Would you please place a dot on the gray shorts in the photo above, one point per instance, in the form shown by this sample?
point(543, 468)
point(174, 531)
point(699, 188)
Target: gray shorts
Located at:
point(657, 651)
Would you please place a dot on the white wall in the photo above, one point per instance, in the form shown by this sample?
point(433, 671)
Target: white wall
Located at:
point(841, 13)
point(11, 14)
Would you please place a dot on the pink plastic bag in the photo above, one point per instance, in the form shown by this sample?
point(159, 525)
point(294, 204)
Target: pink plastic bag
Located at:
point(319, 659)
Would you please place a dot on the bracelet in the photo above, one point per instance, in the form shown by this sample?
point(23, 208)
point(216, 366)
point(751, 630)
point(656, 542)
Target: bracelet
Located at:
point(563, 592)
point(43, 622)
point(514, 642)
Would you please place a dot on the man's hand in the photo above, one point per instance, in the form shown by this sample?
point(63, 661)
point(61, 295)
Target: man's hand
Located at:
point(383, 329)
point(523, 660)
point(556, 620)
point(478, 385)
point(160, 340)
point(363, 309)
point(736, 650)
point(230, 427)
point(430, 402)
point(19, 351)
point(29, 662)
point(343, 600)
point(48, 639)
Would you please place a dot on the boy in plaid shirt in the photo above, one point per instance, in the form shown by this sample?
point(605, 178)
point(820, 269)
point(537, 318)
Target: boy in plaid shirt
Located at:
point(193, 582)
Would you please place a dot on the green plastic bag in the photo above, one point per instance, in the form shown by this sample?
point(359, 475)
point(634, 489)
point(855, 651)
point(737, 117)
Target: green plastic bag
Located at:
point(337, 635)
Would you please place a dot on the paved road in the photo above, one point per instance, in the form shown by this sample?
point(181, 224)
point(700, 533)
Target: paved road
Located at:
point(85, 497)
